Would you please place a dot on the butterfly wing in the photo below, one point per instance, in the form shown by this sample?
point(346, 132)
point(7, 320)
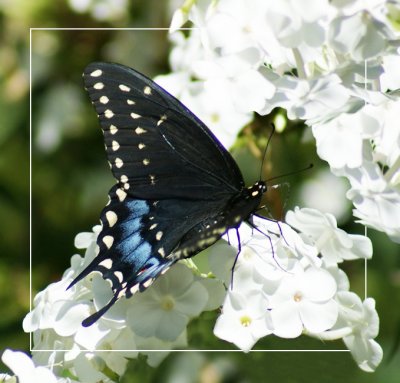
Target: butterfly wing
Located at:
point(138, 239)
point(174, 180)
point(156, 147)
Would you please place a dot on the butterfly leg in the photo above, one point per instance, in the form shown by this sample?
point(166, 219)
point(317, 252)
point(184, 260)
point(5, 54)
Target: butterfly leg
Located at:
point(277, 222)
point(269, 239)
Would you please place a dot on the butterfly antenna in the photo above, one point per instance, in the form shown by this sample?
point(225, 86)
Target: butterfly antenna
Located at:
point(310, 166)
point(266, 149)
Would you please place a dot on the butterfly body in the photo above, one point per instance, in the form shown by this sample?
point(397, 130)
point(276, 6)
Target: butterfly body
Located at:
point(178, 190)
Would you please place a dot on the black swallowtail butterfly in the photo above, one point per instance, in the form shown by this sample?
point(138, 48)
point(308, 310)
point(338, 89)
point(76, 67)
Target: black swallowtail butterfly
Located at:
point(178, 190)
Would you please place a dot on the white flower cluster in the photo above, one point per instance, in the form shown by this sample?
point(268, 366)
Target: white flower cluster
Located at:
point(333, 64)
point(288, 283)
point(153, 320)
point(285, 283)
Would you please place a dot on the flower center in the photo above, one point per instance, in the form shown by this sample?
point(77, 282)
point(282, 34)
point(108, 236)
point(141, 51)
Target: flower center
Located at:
point(245, 321)
point(297, 297)
point(167, 303)
point(214, 118)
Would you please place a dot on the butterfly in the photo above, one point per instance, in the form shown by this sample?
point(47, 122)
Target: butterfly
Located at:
point(178, 189)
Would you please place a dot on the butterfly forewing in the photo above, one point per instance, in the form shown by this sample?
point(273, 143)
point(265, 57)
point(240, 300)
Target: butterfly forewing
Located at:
point(156, 147)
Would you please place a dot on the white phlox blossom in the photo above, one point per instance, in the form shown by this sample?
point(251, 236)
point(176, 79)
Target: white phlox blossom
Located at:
point(288, 283)
point(358, 325)
point(321, 62)
point(334, 244)
point(25, 370)
point(155, 319)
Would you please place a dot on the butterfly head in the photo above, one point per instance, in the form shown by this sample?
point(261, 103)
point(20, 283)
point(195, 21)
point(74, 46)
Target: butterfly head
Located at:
point(256, 190)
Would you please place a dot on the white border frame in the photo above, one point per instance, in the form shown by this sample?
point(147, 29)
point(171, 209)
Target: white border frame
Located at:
point(30, 210)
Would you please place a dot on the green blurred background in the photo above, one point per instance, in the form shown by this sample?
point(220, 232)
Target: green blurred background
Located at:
point(70, 180)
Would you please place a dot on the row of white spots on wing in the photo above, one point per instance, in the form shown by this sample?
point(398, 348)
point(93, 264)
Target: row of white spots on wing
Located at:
point(108, 241)
point(146, 161)
point(119, 276)
point(147, 283)
point(134, 289)
point(161, 120)
point(121, 293)
point(124, 88)
point(104, 99)
point(161, 251)
point(112, 218)
point(153, 226)
point(107, 263)
point(96, 73)
point(124, 180)
point(140, 130)
point(147, 90)
point(159, 235)
point(130, 102)
point(115, 145)
point(141, 146)
point(119, 163)
point(108, 113)
point(121, 194)
point(254, 193)
point(152, 179)
point(98, 85)
point(135, 115)
point(113, 129)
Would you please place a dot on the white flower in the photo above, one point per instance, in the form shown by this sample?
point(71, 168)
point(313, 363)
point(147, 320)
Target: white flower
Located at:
point(299, 25)
point(386, 148)
point(88, 367)
point(164, 310)
point(24, 368)
point(154, 358)
point(303, 300)
point(341, 140)
point(377, 204)
point(359, 324)
point(390, 78)
point(308, 99)
point(244, 319)
point(217, 111)
point(56, 308)
point(334, 244)
point(234, 26)
point(359, 35)
point(238, 77)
